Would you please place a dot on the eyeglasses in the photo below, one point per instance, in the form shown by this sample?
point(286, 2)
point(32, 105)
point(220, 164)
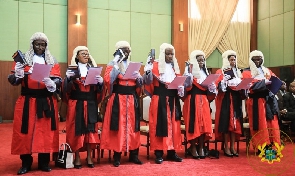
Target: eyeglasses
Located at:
point(84, 54)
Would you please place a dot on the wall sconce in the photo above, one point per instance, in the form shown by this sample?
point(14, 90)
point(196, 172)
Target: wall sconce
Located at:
point(181, 27)
point(78, 19)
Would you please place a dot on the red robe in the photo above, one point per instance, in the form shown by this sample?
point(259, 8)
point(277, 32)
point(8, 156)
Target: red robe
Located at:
point(202, 123)
point(262, 134)
point(126, 137)
point(40, 137)
point(234, 124)
point(173, 140)
point(77, 142)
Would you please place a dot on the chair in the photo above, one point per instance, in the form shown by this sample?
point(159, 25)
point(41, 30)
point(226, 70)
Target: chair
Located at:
point(144, 130)
point(101, 112)
point(287, 124)
point(247, 134)
point(185, 142)
point(97, 149)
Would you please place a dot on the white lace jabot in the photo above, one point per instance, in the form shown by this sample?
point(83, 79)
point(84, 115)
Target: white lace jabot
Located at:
point(83, 69)
point(169, 74)
point(38, 59)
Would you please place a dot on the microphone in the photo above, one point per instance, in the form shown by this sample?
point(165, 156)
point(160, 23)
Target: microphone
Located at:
point(172, 63)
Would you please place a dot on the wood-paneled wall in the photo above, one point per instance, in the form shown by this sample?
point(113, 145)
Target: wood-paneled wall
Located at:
point(180, 38)
point(8, 93)
point(253, 21)
point(77, 34)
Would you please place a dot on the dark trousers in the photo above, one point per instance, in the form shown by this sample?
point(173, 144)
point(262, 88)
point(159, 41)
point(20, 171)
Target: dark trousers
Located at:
point(27, 159)
point(43, 159)
point(159, 153)
point(117, 156)
point(133, 154)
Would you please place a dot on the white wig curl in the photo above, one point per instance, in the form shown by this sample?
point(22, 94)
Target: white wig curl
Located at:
point(193, 60)
point(49, 59)
point(226, 64)
point(162, 62)
point(81, 48)
point(253, 68)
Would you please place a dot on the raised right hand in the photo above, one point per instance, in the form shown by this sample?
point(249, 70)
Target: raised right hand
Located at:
point(118, 55)
point(149, 64)
point(19, 70)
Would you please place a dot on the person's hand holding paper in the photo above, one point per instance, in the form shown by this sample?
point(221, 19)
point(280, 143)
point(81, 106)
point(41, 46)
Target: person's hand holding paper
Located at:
point(70, 73)
point(249, 85)
point(180, 91)
point(50, 85)
point(212, 88)
point(226, 77)
point(93, 76)
point(99, 79)
point(40, 71)
point(234, 82)
point(135, 75)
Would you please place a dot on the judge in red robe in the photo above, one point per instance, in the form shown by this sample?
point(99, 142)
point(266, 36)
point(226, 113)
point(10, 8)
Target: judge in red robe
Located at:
point(196, 108)
point(121, 122)
point(165, 112)
point(262, 108)
point(35, 125)
point(82, 101)
point(228, 115)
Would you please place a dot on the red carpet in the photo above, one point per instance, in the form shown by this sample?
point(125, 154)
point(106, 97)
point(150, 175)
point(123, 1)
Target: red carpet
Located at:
point(241, 166)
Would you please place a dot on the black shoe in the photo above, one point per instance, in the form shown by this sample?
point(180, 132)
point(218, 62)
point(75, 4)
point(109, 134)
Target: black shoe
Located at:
point(77, 166)
point(236, 154)
point(23, 170)
point(228, 155)
point(202, 157)
point(159, 160)
point(90, 165)
point(45, 168)
point(135, 160)
point(202, 154)
point(174, 157)
point(116, 163)
point(195, 155)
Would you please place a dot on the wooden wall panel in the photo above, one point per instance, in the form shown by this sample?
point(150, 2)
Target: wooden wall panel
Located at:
point(180, 38)
point(77, 34)
point(253, 21)
point(9, 93)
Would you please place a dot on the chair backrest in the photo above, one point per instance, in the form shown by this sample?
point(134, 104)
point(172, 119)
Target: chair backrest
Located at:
point(244, 108)
point(213, 108)
point(145, 108)
point(146, 101)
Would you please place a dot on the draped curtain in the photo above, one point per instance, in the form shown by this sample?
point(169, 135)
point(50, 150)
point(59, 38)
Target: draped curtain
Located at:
point(206, 32)
point(221, 24)
point(237, 36)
